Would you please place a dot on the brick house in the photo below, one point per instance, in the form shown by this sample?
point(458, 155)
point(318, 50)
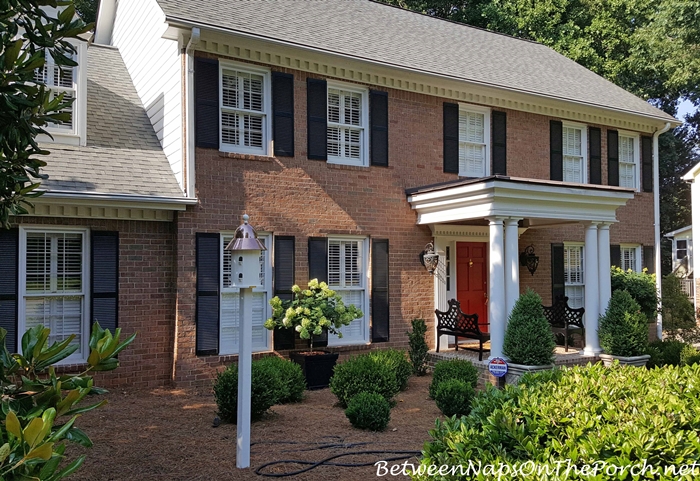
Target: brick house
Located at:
point(351, 153)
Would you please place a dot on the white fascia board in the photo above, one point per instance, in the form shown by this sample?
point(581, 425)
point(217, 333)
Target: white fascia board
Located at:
point(682, 230)
point(692, 173)
point(118, 200)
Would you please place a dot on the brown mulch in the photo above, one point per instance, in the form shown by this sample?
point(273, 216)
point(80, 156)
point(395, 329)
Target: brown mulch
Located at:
point(167, 434)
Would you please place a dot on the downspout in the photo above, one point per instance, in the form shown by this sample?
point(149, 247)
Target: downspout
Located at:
point(657, 224)
point(189, 113)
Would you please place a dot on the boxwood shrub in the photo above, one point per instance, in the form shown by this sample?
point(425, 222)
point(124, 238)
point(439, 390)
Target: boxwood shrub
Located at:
point(364, 373)
point(583, 414)
point(623, 330)
point(453, 369)
point(292, 377)
point(368, 410)
point(397, 362)
point(529, 339)
point(454, 397)
point(665, 353)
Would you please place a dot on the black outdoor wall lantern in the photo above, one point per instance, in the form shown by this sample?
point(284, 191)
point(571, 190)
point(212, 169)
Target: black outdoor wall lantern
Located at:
point(529, 259)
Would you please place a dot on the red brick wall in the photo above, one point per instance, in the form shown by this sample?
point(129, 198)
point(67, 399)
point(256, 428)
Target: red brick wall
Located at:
point(301, 197)
point(146, 298)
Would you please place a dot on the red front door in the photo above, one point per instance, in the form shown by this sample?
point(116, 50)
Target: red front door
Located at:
point(471, 280)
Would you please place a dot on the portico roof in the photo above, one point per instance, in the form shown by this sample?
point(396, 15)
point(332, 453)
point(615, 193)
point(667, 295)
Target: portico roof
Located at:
point(542, 202)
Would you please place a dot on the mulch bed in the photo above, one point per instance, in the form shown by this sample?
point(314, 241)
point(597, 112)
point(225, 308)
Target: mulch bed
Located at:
point(167, 434)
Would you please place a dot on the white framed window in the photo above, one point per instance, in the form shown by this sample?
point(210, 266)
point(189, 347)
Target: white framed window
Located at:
point(683, 247)
point(72, 83)
point(574, 144)
point(631, 257)
point(347, 275)
point(348, 121)
point(53, 285)
point(229, 314)
point(245, 105)
point(574, 282)
point(474, 140)
point(628, 158)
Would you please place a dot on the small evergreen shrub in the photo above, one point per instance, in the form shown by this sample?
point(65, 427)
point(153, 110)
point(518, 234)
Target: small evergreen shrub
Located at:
point(417, 347)
point(453, 369)
point(397, 362)
point(689, 356)
point(453, 397)
point(575, 417)
point(529, 339)
point(292, 377)
point(623, 330)
point(266, 390)
point(368, 410)
point(665, 353)
point(640, 285)
point(677, 311)
point(363, 373)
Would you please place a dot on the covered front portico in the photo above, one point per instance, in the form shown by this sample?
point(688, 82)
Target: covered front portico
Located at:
point(493, 212)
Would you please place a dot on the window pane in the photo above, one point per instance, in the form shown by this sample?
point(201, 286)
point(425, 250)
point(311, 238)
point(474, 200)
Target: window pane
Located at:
point(573, 265)
point(352, 264)
point(571, 141)
point(69, 262)
point(351, 145)
point(627, 175)
point(252, 92)
point(352, 112)
point(334, 105)
point(252, 131)
point(37, 262)
point(575, 295)
point(229, 89)
point(626, 149)
point(471, 160)
point(63, 315)
point(572, 169)
point(471, 127)
point(229, 128)
point(628, 256)
point(334, 263)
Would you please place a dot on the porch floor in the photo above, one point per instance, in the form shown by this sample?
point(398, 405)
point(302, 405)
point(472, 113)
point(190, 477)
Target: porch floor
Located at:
point(574, 357)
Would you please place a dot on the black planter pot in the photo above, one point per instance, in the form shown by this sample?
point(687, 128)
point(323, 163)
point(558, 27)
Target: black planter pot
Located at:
point(317, 367)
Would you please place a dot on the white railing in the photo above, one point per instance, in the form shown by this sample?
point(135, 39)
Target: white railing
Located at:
point(688, 288)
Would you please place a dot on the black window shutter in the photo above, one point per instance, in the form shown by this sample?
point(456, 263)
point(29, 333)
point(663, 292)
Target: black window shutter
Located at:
point(498, 140)
point(647, 166)
point(316, 111)
point(9, 259)
point(613, 158)
point(556, 159)
point(380, 290)
point(207, 309)
point(557, 271)
point(283, 113)
point(379, 128)
point(615, 257)
point(104, 284)
point(450, 138)
point(206, 98)
point(649, 259)
point(318, 269)
point(284, 280)
point(594, 152)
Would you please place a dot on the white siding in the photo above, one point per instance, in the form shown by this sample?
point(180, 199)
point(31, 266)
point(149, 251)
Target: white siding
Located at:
point(155, 68)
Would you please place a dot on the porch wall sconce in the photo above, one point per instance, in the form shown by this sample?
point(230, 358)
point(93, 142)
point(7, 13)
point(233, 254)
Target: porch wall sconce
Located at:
point(529, 259)
point(429, 258)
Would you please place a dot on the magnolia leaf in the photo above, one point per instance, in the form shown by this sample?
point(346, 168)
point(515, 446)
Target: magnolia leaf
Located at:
point(12, 425)
point(4, 452)
point(33, 431)
point(42, 452)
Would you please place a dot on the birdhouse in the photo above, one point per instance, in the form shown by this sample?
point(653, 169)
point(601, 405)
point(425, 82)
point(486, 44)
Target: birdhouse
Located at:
point(245, 251)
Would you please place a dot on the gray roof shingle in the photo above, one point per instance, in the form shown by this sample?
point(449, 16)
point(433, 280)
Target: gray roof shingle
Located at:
point(123, 154)
point(391, 36)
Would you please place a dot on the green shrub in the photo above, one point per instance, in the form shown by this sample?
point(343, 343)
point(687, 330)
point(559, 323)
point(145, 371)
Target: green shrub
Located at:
point(640, 285)
point(266, 389)
point(665, 353)
point(397, 362)
point(576, 417)
point(292, 377)
point(623, 330)
point(368, 410)
point(454, 397)
point(363, 373)
point(417, 347)
point(453, 369)
point(678, 312)
point(689, 356)
point(529, 339)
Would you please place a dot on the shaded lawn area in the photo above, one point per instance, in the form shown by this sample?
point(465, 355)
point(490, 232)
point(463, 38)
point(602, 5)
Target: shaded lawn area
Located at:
point(167, 434)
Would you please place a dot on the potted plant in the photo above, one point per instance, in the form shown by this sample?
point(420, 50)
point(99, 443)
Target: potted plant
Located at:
point(529, 343)
point(309, 313)
point(623, 331)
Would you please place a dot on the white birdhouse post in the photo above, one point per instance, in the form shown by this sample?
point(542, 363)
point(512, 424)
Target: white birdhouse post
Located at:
point(245, 259)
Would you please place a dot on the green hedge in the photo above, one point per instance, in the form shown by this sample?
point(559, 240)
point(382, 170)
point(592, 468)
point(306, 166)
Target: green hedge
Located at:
point(267, 389)
point(368, 410)
point(583, 414)
point(292, 377)
point(640, 285)
point(397, 362)
point(453, 369)
point(364, 373)
point(453, 397)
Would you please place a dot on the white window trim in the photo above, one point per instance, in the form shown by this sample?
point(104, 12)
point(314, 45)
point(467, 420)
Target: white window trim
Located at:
point(334, 340)
point(78, 135)
point(637, 156)
point(487, 134)
point(584, 148)
point(364, 151)
point(268, 238)
point(637, 255)
point(22, 315)
point(267, 108)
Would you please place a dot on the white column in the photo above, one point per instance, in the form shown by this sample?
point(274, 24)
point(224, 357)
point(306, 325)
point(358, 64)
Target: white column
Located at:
point(245, 361)
point(605, 291)
point(497, 301)
point(512, 265)
point(590, 272)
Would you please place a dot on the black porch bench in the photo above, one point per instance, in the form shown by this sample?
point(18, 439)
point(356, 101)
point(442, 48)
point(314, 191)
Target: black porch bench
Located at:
point(454, 322)
point(564, 319)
